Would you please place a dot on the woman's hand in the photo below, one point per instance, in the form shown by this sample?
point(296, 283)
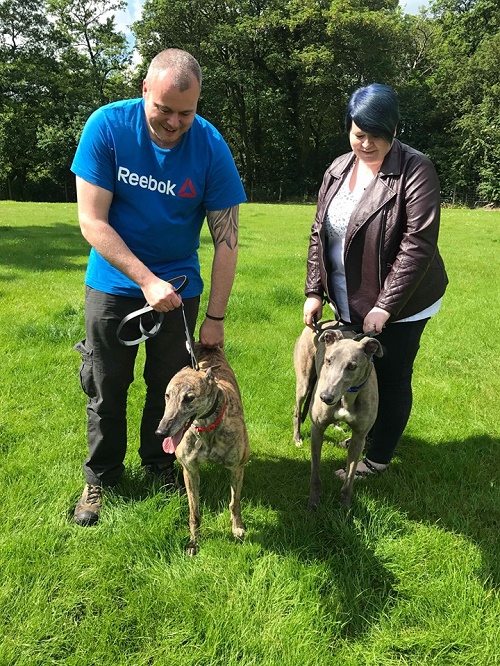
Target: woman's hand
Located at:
point(375, 320)
point(313, 307)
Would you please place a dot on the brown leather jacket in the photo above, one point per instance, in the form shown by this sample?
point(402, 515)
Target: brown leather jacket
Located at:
point(391, 256)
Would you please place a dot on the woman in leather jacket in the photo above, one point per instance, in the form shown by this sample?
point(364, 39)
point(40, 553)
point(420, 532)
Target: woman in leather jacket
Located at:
point(373, 255)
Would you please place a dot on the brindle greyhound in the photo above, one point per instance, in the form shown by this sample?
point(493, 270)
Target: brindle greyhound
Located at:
point(336, 377)
point(203, 421)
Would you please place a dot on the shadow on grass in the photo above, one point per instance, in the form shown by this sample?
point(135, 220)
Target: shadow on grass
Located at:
point(43, 248)
point(451, 485)
point(356, 588)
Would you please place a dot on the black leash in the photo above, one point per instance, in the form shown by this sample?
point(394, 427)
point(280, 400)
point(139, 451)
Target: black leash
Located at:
point(339, 326)
point(151, 332)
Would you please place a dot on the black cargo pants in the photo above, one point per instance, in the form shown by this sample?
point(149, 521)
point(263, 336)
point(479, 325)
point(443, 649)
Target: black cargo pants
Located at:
point(107, 370)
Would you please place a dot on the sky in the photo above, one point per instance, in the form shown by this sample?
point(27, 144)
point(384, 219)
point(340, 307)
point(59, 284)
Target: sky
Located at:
point(132, 13)
point(412, 6)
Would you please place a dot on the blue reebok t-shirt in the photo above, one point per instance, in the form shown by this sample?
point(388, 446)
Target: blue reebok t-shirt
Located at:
point(160, 197)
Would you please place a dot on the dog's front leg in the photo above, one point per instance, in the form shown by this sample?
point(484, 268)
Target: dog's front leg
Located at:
point(301, 395)
point(297, 421)
point(235, 506)
point(192, 483)
point(305, 376)
point(317, 433)
point(354, 450)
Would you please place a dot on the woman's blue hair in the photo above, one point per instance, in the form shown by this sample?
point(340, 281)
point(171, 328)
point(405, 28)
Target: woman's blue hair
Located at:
point(374, 109)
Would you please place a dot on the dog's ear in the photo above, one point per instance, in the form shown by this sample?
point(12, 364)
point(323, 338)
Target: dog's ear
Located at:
point(372, 347)
point(210, 373)
point(329, 337)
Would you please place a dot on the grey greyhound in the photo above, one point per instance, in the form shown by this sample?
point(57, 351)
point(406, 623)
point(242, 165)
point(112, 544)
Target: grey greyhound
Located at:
point(336, 378)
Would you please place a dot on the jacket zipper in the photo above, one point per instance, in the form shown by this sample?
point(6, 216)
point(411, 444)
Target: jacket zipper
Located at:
point(380, 248)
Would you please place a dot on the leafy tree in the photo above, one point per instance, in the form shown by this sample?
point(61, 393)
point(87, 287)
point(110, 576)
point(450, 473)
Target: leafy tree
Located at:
point(27, 71)
point(94, 52)
point(276, 76)
point(55, 68)
point(479, 124)
point(463, 84)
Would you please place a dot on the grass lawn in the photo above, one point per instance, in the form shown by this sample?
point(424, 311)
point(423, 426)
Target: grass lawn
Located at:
point(410, 575)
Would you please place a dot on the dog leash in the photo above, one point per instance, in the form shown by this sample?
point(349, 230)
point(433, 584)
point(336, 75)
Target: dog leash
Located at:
point(339, 326)
point(189, 341)
point(146, 334)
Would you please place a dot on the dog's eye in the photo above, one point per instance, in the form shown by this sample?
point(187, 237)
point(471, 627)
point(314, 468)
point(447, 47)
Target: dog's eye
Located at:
point(351, 366)
point(328, 360)
point(189, 397)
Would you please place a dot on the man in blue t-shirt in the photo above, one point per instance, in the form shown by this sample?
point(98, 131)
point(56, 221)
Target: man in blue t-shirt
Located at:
point(148, 172)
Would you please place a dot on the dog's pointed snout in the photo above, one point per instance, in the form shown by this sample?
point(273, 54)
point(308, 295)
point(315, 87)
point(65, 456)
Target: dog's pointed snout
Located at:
point(326, 397)
point(163, 429)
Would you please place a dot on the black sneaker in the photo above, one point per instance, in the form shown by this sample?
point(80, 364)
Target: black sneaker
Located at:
point(88, 508)
point(167, 475)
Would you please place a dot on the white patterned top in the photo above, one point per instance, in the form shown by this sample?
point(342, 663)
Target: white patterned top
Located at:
point(337, 218)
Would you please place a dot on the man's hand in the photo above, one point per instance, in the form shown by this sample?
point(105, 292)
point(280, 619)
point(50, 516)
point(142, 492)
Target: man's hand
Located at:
point(212, 333)
point(161, 295)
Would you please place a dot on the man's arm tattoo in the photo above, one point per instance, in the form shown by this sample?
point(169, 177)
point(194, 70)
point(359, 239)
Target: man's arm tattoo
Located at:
point(223, 225)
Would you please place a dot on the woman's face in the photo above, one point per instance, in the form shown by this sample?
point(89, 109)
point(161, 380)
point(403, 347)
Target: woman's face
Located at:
point(368, 148)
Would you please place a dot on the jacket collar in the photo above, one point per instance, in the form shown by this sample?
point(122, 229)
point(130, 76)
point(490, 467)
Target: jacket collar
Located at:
point(391, 166)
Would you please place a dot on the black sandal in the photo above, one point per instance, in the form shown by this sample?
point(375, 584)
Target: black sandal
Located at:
point(371, 471)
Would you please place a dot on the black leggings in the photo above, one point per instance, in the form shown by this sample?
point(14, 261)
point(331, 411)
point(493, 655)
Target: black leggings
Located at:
point(400, 343)
point(107, 371)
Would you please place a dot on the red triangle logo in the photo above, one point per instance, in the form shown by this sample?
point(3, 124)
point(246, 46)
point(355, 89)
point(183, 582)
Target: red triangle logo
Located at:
point(187, 190)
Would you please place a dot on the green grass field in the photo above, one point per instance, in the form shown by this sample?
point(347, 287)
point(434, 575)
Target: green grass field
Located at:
point(410, 575)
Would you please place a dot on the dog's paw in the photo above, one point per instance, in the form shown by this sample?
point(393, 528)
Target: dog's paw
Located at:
point(313, 504)
point(192, 548)
point(239, 533)
point(298, 442)
point(345, 499)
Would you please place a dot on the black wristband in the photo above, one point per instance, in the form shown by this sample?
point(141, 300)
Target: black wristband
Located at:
point(214, 318)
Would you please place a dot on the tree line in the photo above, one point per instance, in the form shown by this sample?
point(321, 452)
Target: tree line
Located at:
point(277, 77)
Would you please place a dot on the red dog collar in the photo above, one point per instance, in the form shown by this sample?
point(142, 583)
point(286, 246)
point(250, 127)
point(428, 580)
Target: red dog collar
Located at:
point(213, 425)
